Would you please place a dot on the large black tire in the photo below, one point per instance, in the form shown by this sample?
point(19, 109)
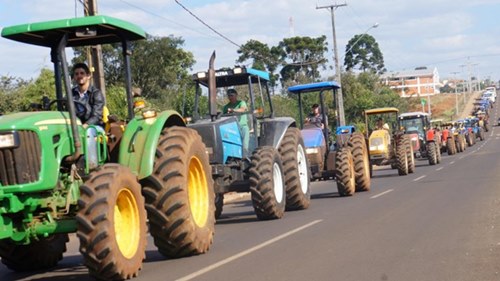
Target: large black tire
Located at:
point(361, 162)
point(410, 154)
point(468, 138)
point(296, 170)
point(180, 195)
point(111, 223)
point(438, 153)
point(450, 146)
point(42, 254)
point(219, 204)
point(463, 142)
point(431, 153)
point(267, 183)
point(402, 159)
point(458, 144)
point(481, 135)
point(344, 172)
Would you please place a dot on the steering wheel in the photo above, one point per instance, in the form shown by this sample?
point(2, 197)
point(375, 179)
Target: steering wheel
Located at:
point(65, 107)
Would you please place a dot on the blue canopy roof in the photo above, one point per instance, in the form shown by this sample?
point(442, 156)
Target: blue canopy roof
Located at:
point(314, 87)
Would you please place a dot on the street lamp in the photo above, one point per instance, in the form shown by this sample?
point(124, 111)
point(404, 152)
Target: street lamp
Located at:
point(375, 25)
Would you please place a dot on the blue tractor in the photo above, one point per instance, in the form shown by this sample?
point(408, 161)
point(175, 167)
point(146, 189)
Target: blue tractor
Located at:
point(346, 159)
point(472, 123)
point(251, 150)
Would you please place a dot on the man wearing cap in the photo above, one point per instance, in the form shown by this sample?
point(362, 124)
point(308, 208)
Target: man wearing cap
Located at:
point(235, 105)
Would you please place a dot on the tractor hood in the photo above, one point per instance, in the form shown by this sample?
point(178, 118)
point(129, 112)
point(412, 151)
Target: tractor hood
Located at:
point(28, 120)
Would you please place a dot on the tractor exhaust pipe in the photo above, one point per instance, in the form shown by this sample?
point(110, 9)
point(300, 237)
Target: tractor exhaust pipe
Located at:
point(212, 88)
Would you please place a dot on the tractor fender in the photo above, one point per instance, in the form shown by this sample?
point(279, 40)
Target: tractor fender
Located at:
point(273, 130)
point(430, 135)
point(140, 139)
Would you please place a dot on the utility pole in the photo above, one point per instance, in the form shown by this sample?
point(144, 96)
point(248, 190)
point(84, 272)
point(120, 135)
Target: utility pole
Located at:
point(338, 77)
point(456, 96)
point(95, 58)
point(463, 89)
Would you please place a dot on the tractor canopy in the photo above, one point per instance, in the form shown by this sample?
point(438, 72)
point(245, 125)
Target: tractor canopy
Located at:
point(314, 87)
point(84, 31)
point(233, 77)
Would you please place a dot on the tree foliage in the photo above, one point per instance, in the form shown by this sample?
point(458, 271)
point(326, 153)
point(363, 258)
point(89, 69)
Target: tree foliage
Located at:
point(261, 56)
point(160, 67)
point(363, 52)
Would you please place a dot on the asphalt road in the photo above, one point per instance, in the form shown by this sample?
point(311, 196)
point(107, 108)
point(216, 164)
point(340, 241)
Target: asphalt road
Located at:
point(440, 223)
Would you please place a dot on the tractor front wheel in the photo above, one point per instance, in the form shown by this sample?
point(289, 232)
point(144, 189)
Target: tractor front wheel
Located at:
point(180, 195)
point(361, 162)
point(267, 184)
point(402, 160)
point(431, 153)
point(112, 223)
point(344, 172)
point(41, 254)
point(296, 170)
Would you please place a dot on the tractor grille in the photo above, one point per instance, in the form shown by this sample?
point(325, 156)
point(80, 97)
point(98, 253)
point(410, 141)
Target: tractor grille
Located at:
point(21, 164)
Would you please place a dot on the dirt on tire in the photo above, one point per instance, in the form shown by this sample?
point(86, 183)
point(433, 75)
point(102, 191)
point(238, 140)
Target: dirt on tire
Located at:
point(361, 162)
point(296, 170)
point(344, 172)
point(180, 195)
point(267, 183)
point(108, 253)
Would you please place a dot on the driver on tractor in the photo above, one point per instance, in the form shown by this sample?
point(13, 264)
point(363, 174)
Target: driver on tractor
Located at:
point(235, 105)
point(90, 101)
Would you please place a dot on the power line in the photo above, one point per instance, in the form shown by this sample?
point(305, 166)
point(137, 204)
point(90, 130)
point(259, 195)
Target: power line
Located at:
point(167, 19)
point(242, 47)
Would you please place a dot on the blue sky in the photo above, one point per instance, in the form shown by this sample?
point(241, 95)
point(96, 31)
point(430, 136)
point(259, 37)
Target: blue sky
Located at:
point(430, 33)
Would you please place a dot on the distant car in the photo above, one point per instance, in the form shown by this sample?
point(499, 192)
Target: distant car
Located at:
point(498, 122)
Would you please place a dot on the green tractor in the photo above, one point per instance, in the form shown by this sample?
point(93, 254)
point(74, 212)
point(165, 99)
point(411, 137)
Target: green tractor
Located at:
point(49, 187)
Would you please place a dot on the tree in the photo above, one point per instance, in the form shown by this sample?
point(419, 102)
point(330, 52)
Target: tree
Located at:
point(261, 56)
point(159, 67)
point(301, 56)
point(363, 52)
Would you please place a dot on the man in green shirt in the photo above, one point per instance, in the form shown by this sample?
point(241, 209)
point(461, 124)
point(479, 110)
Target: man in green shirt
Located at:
point(235, 105)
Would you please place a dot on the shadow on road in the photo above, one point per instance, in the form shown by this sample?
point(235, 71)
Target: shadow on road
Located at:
point(234, 218)
point(327, 195)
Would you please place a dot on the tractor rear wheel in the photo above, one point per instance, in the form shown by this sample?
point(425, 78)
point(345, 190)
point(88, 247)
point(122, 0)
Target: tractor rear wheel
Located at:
point(267, 184)
point(402, 159)
point(468, 138)
point(42, 254)
point(431, 153)
point(361, 162)
point(451, 147)
point(344, 172)
point(180, 195)
point(463, 142)
point(481, 135)
point(219, 204)
point(111, 223)
point(296, 170)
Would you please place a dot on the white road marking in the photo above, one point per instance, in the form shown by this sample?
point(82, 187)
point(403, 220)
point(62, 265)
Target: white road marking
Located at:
point(462, 157)
point(439, 169)
point(452, 162)
point(382, 193)
point(246, 252)
point(419, 178)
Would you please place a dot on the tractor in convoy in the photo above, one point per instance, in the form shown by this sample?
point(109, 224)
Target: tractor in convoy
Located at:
point(346, 160)
point(388, 144)
point(250, 150)
point(425, 140)
point(472, 123)
point(51, 187)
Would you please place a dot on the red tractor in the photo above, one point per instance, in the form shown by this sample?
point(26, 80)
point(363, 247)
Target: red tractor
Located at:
point(426, 141)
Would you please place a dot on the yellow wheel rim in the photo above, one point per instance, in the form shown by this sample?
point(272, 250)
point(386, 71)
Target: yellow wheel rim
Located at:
point(127, 225)
point(198, 192)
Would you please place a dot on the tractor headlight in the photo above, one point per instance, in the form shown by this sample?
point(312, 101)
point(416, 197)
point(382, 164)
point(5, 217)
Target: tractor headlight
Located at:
point(201, 75)
point(237, 70)
point(311, 150)
point(8, 140)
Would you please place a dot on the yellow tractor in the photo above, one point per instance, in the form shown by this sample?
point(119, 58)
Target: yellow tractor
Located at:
point(388, 145)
